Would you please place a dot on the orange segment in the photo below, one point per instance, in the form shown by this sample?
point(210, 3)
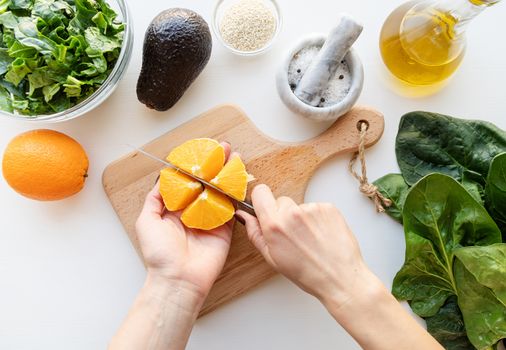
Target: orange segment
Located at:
point(233, 178)
point(178, 190)
point(203, 158)
point(210, 210)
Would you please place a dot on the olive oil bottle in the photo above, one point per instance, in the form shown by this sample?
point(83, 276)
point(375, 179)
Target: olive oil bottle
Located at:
point(423, 42)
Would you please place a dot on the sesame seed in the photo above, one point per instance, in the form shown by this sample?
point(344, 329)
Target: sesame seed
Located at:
point(248, 25)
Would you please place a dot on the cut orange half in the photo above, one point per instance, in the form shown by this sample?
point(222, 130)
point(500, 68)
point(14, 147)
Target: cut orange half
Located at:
point(203, 208)
point(233, 178)
point(203, 158)
point(210, 210)
point(178, 190)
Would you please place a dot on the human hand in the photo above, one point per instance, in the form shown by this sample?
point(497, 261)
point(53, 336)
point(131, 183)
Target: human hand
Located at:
point(187, 258)
point(310, 244)
point(182, 266)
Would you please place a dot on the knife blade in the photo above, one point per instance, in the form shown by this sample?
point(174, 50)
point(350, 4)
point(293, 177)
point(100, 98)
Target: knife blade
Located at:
point(240, 205)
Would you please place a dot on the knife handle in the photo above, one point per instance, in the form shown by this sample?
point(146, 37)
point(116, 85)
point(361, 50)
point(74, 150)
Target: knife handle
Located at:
point(245, 206)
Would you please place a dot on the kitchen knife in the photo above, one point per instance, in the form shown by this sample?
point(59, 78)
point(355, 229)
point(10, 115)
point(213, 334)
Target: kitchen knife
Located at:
point(239, 205)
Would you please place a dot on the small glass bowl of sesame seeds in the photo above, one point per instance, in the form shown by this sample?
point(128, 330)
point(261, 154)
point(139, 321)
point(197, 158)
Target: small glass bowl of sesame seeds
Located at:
point(247, 27)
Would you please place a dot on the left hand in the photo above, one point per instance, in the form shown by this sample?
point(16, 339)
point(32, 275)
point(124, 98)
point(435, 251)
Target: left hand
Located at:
point(186, 258)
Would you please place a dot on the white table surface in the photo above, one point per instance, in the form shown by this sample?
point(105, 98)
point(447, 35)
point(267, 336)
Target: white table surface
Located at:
point(68, 273)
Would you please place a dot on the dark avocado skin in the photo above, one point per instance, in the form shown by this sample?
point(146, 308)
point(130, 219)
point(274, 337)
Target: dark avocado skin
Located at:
point(177, 47)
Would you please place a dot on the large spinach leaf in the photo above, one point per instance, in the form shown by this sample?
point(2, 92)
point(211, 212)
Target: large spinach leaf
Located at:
point(434, 143)
point(495, 192)
point(447, 326)
point(488, 266)
point(479, 275)
point(394, 187)
point(439, 217)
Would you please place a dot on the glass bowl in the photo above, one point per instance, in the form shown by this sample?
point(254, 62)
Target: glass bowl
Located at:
point(220, 8)
point(106, 89)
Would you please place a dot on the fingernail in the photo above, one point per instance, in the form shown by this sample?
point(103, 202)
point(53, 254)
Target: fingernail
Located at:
point(157, 178)
point(240, 219)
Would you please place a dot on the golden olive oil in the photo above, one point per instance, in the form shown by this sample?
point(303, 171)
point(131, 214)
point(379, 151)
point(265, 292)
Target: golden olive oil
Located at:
point(421, 47)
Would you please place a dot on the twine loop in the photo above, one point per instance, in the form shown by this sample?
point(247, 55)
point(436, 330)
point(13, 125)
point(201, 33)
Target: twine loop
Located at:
point(365, 187)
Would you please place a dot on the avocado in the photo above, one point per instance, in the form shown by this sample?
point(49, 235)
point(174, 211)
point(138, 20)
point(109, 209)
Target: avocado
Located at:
point(177, 47)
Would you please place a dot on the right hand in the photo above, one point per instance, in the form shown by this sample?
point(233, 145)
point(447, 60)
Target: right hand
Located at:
point(310, 244)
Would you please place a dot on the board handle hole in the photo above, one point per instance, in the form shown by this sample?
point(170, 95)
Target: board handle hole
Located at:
point(360, 123)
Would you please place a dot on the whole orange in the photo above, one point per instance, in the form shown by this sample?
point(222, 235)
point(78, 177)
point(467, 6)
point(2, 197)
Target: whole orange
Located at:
point(45, 165)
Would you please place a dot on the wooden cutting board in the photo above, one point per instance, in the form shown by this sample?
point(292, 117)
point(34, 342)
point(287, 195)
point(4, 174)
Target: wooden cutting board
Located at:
point(285, 167)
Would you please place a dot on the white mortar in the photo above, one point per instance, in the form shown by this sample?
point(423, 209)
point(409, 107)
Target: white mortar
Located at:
point(329, 113)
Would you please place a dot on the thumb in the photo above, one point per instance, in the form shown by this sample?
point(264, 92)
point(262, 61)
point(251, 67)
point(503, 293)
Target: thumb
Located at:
point(256, 235)
point(153, 205)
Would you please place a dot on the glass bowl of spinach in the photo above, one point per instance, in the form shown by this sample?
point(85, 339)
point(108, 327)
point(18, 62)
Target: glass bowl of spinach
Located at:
point(60, 59)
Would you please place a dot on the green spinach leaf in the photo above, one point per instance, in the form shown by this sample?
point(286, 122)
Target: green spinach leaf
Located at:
point(40, 77)
point(4, 5)
point(5, 100)
point(16, 91)
point(479, 275)
point(434, 143)
point(495, 191)
point(9, 20)
point(19, 50)
point(50, 90)
point(83, 18)
point(99, 43)
point(439, 217)
point(21, 4)
point(448, 328)
point(19, 69)
point(5, 61)
point(393, 187)
point(488, 266)
point(475, 189)
point(73, 87)
point(54, 12)
point(20, 105)
point(424, 280)
point(28, 34)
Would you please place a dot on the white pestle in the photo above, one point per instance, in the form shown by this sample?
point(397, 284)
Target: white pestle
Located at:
point(324, 66)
